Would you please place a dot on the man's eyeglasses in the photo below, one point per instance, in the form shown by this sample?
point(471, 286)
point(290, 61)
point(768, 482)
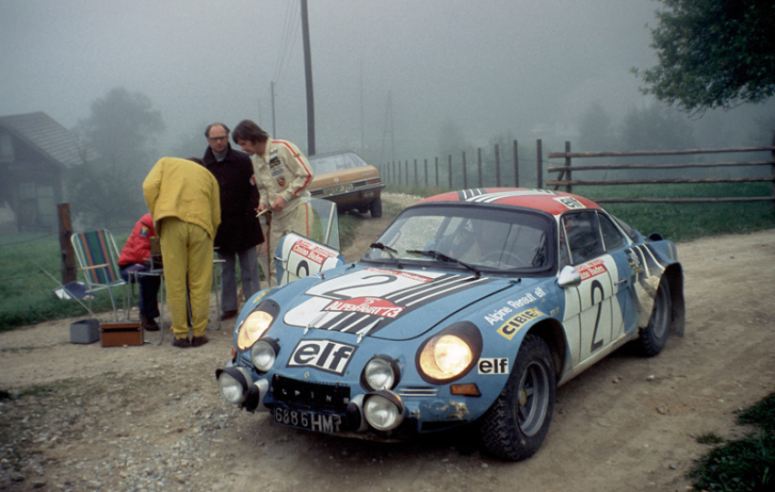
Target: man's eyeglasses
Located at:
point(216, 139)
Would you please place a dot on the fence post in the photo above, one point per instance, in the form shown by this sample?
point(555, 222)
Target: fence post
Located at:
point(516, 165)
point(399, 173)
point(406, 171)
point(450, 171)
point(479, 165)
point(416, 181)
point(497, 166)
point(66, 247)
point(426, 172)
point(465, 175)
point(568, 188)
point(437, 171)
point(539, 165)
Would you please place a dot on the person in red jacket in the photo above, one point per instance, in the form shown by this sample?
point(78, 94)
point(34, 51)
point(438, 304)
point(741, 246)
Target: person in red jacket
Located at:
point(134, 260)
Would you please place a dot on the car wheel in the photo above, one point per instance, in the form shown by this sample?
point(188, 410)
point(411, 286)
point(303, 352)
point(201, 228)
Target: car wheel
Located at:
point(652, 338)
point(516, 424)
point(375, 207)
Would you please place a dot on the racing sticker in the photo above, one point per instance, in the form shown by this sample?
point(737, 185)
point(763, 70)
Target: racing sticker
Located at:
point(366, 301)
point(480, 195)
point(493, 366)
point(592, 269)
point(512, 326)
point(325, 355)
point(570, 202)
point(312, 252)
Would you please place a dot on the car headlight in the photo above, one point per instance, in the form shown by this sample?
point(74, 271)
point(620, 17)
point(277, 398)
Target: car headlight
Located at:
point(256, 324)
point(450, 354)
point(263, 354)
point(384, 410)
point(380, 373)
point(233, 383)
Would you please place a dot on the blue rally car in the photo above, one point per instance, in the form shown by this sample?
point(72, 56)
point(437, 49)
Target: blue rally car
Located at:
point(471, 308)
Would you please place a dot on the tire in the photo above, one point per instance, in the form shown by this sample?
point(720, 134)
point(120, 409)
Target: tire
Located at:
point(652, 339)
point(375, 207)
point(517, 423)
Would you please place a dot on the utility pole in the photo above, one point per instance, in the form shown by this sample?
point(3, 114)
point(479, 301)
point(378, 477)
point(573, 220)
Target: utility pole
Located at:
point(308, 73)
point(274, 129)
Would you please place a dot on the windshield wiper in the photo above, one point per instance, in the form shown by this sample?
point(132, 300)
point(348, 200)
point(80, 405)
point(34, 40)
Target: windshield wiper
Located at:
point(441, 256)
point(390, 251)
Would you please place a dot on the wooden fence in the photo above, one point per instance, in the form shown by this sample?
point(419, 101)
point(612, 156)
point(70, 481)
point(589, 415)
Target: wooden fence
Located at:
point(421, 174)
point(565, 178)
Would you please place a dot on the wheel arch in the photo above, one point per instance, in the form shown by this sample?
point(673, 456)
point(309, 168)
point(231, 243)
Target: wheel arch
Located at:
point(673, 274)
point(551, 332)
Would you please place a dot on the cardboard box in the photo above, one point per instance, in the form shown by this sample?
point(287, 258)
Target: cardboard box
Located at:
point(120, 334)
point(85, 331)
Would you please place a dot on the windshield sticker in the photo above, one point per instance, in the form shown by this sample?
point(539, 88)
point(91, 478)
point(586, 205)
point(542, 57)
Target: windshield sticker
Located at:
point(512, 326)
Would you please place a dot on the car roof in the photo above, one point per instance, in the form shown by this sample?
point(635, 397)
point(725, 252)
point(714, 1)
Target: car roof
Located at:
point(553, 202)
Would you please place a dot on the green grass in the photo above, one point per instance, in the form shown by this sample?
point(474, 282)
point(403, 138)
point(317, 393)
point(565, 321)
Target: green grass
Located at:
point(744, 465)
point(26, 291)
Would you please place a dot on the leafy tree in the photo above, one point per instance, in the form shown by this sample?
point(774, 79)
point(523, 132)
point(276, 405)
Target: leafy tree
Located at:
point(656, 128)
point(121, 128)
point(712, 53)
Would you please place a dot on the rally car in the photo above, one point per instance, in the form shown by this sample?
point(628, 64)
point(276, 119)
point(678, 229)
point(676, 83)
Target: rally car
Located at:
point(470, 309)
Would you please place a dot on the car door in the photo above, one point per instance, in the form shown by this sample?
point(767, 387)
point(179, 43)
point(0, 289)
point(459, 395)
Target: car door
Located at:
point(589, 317)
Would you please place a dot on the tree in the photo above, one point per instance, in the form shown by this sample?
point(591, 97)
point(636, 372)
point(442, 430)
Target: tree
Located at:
point(595, 133)
point(121, 128)
point(712, 53)
point(656, 128)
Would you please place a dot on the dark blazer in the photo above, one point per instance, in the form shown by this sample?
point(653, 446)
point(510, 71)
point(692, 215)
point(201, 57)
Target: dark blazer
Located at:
point(239, 229)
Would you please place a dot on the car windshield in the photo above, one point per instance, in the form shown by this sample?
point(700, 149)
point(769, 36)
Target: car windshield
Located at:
point(335, 162)
point(483, 239)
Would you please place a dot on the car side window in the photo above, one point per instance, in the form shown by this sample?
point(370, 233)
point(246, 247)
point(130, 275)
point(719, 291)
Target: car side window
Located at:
point(583, 234)
point(612, 238)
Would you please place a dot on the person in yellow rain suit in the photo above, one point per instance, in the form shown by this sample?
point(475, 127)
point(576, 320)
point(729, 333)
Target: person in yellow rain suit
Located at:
point(282, 174)
point(184, 200)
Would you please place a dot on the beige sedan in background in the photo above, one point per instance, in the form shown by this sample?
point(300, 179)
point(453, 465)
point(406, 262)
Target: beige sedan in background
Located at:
point(347, 180)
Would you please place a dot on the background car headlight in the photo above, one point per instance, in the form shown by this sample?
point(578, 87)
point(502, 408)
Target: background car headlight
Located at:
point(381, 373)
point(450, 354)
point(383, 411)
point(256, 324)
point(263, 354)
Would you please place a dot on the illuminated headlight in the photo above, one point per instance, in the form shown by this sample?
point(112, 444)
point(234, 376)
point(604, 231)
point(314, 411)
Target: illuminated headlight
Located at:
point(263, 354)
point(450, 354)
point(233, 383)
point(253, 328)
point(384, 410)
point(381, 373)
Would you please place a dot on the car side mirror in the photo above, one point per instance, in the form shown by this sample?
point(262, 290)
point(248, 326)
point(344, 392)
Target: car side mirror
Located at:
point(569, 277)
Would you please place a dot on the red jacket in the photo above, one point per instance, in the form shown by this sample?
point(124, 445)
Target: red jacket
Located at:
point(138, 247)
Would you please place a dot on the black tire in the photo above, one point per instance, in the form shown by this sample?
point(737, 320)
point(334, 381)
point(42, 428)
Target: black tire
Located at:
point(652, 339)
point(516, 424)
point(375, 207)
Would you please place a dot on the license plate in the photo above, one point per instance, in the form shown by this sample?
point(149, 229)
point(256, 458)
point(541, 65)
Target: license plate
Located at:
point(318, 422)
point(335, 190)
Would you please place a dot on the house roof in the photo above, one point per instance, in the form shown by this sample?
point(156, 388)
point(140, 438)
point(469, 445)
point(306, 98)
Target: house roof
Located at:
point(42, 132)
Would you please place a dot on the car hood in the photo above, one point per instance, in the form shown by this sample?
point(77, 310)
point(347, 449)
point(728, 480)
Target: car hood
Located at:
point(386, 303)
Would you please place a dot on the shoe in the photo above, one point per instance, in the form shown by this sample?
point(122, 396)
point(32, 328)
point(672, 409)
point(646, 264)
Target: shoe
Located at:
point(228, 314)
point(181, 342)
point(149, 324)
point(199, 341)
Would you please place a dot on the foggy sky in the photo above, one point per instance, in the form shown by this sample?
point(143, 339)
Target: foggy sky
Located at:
point(492, 67)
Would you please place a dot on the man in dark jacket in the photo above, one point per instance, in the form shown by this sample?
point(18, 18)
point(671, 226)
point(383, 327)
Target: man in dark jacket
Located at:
point(240, 231)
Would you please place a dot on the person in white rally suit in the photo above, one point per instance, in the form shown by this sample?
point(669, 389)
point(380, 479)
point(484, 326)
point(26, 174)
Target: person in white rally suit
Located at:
point(282, 174)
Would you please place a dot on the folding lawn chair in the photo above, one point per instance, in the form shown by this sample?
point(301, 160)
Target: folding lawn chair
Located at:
point(97, 256)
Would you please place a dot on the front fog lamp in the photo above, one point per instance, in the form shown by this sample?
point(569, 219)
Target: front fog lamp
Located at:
point(253, 328)
point(384, 410)
point(381, 373)
point(233, 383)
point(263, 354)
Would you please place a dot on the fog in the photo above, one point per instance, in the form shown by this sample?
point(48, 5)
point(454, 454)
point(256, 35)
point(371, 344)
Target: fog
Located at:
point(528, 69)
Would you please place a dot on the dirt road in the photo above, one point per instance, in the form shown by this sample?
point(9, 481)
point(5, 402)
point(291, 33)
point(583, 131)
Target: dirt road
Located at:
point(82, 417)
